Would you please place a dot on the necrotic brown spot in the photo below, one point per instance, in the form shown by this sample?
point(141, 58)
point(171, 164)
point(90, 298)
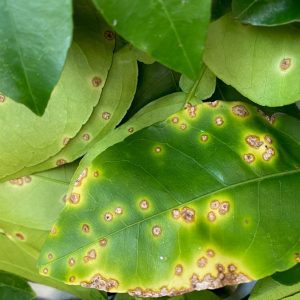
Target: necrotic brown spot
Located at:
point(268, 139)
point(219, 121)
point(118, 210)
point(71, 261)
point(183, 126)
point(254, 141)
point(130, 129)
point(202, 261)
point(60, 162)
point(191, 109)
point(214, 204)
point(203, 137)
point(176, 213)
point(297, 257)
point(213, 103)
point(86, 137)
point(75, 198)
point(178, 270)
point(50, 256)
point(45, 271)
point(211, 216)
point(210, 253)
point(231, 268)
point(188, 214)
point(269, 152)
point(20, 236)
point(103, 242)
point(224, 208)
point(109, 35)
point(108, 216)
point(96, 81)
point(106, 115)
point(72, 279)
point(144, 204)
point(285, 63)
point(175, 120)
point(240, 110)
point(2, 98)
point(156, 230)
point(85, 228)
point(249, 158)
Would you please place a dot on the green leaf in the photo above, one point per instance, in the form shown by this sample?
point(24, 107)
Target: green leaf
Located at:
point(172, 32)
point(173, 198)
point(205, 86)
point(261, 63)
point(25, 223)
point(270, 289)
point(34, 139)
point(114, 102)
point(13, 287)
point(35, 37)
point(266, 12)
point(289, 277)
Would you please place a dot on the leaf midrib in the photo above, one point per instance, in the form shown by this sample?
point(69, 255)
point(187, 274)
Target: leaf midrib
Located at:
point(257, 179)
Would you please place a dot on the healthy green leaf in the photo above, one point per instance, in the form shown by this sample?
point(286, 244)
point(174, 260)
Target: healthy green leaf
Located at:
point(270, 289)
point(115, 100)
point(34, 139)
point(35, 37)
point(205, 85)
point(261, 63)
point(13, 287)
point(175, 197)
point(172, 32)
point(289, 277)
point(21, 237)
point(266, 12)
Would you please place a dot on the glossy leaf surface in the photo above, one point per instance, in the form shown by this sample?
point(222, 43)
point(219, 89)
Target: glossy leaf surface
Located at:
point(13, 287)
point(114, 102)
point(25, 223)
point(32, 60)
point(34, 139)
point(261, 63)
point(175, 197)
point(266, 12)
point(172, 32)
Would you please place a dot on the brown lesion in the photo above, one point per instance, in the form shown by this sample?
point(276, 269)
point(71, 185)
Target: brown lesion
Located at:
point(191, 110)
point(285, 63)
point(99, 282)
point(240, 110)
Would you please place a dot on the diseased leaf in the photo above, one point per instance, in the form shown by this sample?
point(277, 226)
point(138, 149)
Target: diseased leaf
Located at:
point(266, 12)
point(34, 139)
point(193, 200)
point(23, 229)
point(270, 289)
point(261, 63)
point(13, 287)
point(35, 37)
point(114, 102)
point(205, 85)
point(172, 32)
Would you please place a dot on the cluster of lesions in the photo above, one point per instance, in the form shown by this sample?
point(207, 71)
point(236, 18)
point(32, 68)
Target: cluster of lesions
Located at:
point(21, 181)
point(179, 122)
point(184, 214)
point(260, 147)
point(217, 209)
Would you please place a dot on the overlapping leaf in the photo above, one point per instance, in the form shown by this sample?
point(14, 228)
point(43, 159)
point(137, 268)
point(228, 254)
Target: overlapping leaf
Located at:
point(35, 37)
point(261, 63)
point(266, 12)
point(189, 203)
point(114, 102)
point(34, 139)
point(28, 206)
point(172, 32)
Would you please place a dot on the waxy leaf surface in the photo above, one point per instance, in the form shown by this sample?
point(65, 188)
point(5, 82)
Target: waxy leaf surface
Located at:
point(266, 12)
point(114, 102)
point(186, 204)
point(35, 37)
point(173, 32)
point(260, 62)
point(26, 139)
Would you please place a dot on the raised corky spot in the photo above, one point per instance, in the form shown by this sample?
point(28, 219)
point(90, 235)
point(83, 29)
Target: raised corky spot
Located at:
point(249, 158)
point(156, 230)
point(99, 282)
point(254, 141)
point(74, 198)
point(240, 110)
point(85, 228)
point(96, 81)
point(106, 115)
point(285, 64)
point(187, 214)
point(81, 177)
point(86, 137)
point(103, 242)
point(119, 211)
point(268, 153)
point(204, 137)
point(71, 261)
point(108, 216)
point(219, 121)
point(20, 181)
point(91, 255)
point(20, 236)
point(144, 204)
point(213, 104)
point(2, 98)
point(178, 269)
point(191, 110)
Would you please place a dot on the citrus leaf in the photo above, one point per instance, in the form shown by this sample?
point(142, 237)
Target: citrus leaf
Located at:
point(114, 102)
point(261, 63)
point(34, 139)
point(14, 287)
point(175, 197)
point(32, 60)
point(270, 289)
point(289, 277)
point(161, 28)
point(266, 12)
point(23, 229)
